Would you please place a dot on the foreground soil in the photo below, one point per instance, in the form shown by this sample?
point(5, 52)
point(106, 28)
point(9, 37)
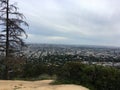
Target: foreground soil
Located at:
point(36, 85)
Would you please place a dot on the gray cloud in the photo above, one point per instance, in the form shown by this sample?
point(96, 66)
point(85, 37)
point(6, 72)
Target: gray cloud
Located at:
point(73, 21)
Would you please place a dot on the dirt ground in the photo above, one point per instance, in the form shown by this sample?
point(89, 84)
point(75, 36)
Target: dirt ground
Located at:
point(36, 85)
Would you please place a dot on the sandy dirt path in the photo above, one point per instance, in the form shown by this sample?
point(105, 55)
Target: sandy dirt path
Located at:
point(36, 85)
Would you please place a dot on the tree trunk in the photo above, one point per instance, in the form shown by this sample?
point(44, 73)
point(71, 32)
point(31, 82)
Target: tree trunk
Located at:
point(7, 40)
point(7, 30)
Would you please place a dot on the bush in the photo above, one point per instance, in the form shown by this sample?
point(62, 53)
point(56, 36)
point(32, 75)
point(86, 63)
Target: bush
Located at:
point(91, 76)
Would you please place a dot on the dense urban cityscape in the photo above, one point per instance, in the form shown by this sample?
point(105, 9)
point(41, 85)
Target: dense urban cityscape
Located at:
point(100, 55)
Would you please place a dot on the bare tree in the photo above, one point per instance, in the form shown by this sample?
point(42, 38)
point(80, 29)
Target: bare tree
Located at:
point(11, 21)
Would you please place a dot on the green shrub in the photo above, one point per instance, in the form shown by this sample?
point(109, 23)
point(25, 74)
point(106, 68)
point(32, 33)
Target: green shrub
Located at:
point(92, 76)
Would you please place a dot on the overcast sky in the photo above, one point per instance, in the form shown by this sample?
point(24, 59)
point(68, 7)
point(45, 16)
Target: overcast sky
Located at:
point(88, 22)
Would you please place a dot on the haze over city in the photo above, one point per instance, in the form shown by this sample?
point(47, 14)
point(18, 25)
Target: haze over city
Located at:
point(87, 22)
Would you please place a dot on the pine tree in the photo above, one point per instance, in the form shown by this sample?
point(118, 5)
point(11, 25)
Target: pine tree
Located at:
point(11, 21)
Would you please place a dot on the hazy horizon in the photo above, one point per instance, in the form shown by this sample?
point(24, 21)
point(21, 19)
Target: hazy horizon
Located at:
point(78, 22)
point(78, 45)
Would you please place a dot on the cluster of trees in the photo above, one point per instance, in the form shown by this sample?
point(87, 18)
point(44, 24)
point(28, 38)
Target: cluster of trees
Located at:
point(26, 68)
point(91, 76)
point(73, 72)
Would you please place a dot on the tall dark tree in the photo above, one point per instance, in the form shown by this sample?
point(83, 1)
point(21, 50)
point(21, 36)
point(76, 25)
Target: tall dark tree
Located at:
point(11, 21)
